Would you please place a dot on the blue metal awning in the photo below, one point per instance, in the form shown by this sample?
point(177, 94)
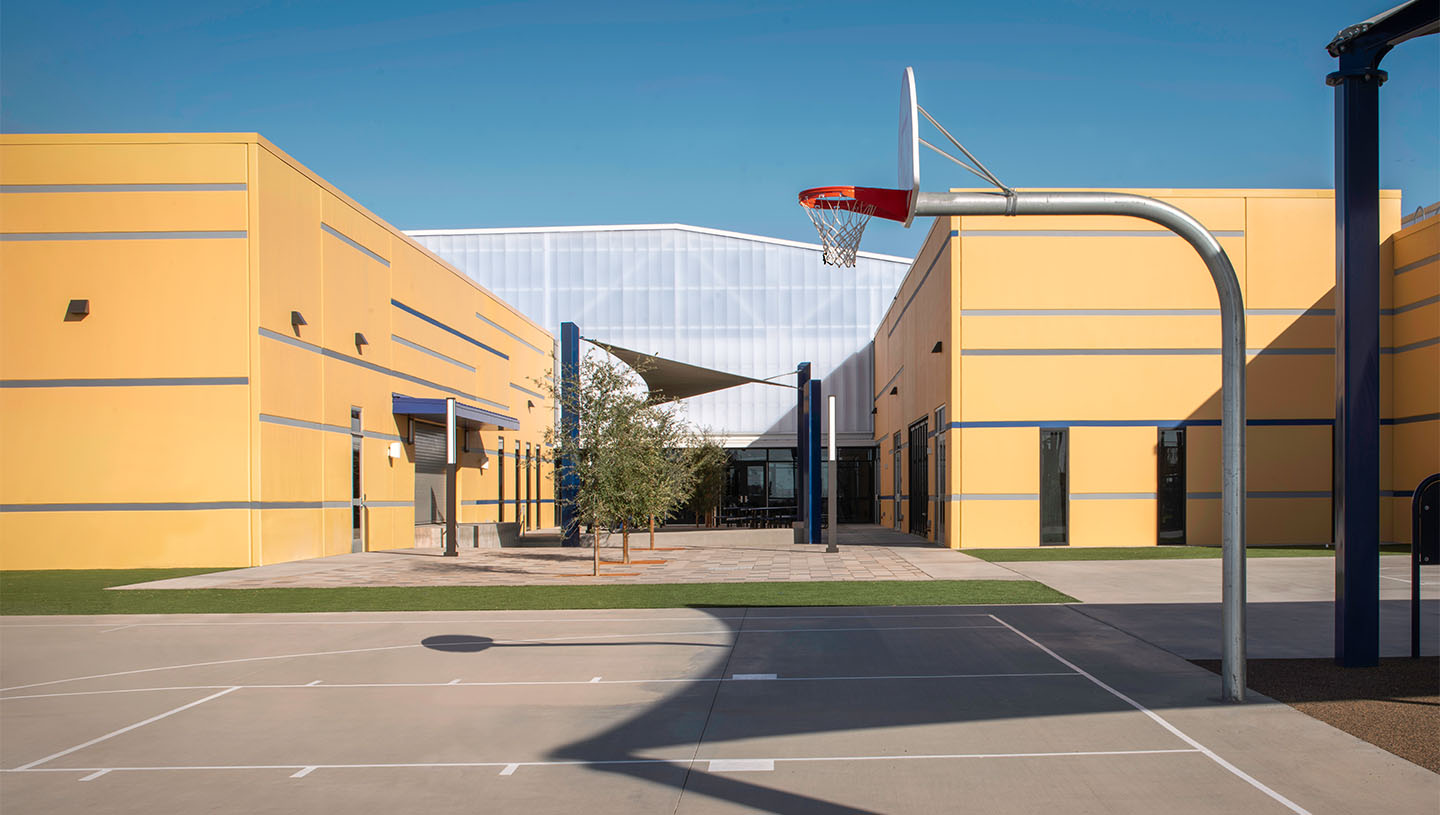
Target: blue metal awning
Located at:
point(468, 415)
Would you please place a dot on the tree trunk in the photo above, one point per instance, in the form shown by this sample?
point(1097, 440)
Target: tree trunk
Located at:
point(597, 550)
point(625, 541)
point(652, 533)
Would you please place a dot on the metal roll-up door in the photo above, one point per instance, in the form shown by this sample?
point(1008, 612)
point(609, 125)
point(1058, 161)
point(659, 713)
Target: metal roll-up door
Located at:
point(430, 497)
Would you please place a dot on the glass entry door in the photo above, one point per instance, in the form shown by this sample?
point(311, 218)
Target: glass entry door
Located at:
point(1170, 488)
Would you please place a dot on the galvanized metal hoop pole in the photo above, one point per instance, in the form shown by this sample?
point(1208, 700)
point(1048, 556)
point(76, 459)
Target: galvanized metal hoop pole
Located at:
point(1232, 369)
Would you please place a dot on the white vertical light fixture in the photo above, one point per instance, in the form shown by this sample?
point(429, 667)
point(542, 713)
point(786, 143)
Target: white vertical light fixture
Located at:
point(834, 484)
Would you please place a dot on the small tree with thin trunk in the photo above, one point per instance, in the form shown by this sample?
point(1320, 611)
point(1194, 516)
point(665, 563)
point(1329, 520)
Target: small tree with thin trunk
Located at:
point(667, 473)
point(708, 460)
point(604, 458)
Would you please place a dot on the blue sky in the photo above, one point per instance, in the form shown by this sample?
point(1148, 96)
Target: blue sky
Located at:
point(473, 114)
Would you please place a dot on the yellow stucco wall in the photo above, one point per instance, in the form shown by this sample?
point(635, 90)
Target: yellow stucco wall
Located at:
point(1110, 327)
point(185, 422)
point(1411, 263)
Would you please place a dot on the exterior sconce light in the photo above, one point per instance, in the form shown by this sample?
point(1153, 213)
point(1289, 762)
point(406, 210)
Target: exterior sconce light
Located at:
point(360, 341)
point(395, 450)
point(77, 310)
point(939, 346)
point(895, 391)
point(874, 411)
point(296, 320)
point(529, 404)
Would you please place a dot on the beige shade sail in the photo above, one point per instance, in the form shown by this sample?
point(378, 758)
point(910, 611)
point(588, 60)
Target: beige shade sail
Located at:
point(669, 380)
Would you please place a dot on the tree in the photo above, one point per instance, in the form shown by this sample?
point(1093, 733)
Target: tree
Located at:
point(708, 461)
point(605, 456)
point(667, 474)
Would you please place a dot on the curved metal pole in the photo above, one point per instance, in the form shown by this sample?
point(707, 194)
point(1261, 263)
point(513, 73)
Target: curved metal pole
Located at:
point(1232, 370)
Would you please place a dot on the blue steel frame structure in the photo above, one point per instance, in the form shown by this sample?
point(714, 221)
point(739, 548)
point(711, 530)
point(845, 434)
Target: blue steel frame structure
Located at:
point(1359, 48)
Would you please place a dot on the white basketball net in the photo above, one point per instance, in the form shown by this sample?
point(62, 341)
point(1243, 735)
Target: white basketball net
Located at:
point(840, 229)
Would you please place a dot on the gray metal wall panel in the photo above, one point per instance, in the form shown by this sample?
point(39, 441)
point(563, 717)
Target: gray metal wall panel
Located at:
point(748, 306)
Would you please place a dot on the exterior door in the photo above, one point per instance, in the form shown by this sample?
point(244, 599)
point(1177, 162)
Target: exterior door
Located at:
point(430, 496)
point(895, 470)
point(920, 478)
point(1055, 487)
point(357, 506)
point(1170, 488)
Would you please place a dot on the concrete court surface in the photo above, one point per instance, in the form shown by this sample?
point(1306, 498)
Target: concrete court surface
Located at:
point(1012, 709)
point(1290, 609)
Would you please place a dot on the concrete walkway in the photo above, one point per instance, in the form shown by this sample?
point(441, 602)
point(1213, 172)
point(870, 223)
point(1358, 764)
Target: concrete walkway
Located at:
point(682, 555)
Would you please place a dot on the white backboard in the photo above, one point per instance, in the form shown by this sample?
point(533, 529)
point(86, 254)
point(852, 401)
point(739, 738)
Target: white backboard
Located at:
point(909, 142)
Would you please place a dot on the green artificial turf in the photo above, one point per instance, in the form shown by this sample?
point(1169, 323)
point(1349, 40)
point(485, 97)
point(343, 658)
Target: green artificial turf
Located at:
point(83, 592)
point(1156, 552)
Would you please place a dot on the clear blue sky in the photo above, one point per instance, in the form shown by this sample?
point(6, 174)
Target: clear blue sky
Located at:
point(715, 114)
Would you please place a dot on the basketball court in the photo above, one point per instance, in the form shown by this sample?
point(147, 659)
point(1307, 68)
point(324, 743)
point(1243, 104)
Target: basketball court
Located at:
point(930, 709)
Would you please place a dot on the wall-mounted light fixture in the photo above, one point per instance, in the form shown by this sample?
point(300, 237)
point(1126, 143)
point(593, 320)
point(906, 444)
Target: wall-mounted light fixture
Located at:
point(939, 346)
point(874, 411)
point(360, 341)
point(395, 450)
point(529, 404)
point(296, 320)
point(895, 391)
point(77, 310)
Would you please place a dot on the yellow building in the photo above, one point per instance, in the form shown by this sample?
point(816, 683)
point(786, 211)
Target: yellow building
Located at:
point(1055, 380)
point(211, 357)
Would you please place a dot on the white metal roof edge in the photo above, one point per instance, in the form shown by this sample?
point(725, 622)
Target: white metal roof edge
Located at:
point(515, 230)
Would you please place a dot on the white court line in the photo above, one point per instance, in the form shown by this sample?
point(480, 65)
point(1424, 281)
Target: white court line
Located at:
point(741, 765)
point(303, 772)
point(123, 730)
point(94, 775)
point(1177, 732)
point(1406, 580)
point(692, 618)
point(510, 769)
point(559, 640)
point(678, 762)
point(542, 682)
point(121, 628)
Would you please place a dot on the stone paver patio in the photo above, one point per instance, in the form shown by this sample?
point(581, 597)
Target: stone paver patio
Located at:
point(682, 555)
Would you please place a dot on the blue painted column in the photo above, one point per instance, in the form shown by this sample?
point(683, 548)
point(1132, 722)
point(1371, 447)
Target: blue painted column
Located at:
point(570, 426)
point(1356, 498)
point(802, 445)
point(813, 509)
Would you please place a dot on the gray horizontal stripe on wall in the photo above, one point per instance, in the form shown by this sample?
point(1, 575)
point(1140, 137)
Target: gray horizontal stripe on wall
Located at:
point(995, 496)
point(1089, 312)
point(1264, 494)
point(507, 332)
point(1400, 349)
point(1428, 301)
point(1417, 264)
point(137, 382)
point(1290, 352)
point(353, 243)
point(884, 389)
point(1089, 233)
point(32, 188)
point(1111, 496)
point(329, 428)
point(1290, 312)
point(1087, 352)
point(526, 390)
point(172, 506)
point(122, 236)
point(389, 504)
point(436, 354)
point(326, 352)
point(918, 286)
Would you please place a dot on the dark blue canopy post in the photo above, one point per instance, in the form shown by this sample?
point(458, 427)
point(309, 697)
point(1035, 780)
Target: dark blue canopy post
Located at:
point(812, 461)
point(570, 426)
point(802, 447)
point(1356, 499)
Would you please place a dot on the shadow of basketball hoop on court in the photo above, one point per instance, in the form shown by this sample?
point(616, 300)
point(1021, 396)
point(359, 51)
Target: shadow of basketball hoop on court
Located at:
point(457, 643)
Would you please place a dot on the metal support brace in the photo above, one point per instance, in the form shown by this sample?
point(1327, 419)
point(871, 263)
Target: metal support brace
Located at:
point(1232, 369)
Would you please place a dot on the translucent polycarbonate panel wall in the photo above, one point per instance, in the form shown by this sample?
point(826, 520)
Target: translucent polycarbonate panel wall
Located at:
point(738, 303)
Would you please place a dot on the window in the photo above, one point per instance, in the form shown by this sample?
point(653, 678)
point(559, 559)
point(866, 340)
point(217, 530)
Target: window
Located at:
point(1170, 487)
point(1054, 487)
point(942, 486)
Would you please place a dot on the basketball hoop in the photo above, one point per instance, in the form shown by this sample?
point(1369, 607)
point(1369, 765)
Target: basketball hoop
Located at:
point(841, 213)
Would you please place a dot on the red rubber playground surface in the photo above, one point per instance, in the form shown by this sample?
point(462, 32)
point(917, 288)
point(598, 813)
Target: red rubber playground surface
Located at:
point(936, 709)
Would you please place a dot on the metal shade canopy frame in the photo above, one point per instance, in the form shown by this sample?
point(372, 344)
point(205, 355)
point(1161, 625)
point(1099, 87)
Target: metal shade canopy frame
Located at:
point(1011, 202)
